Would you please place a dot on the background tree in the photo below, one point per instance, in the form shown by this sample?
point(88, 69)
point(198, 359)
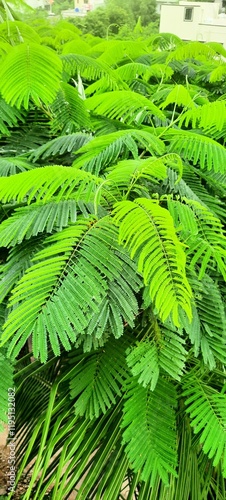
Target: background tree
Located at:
point(146, 10)
point(98, 21)
point(122, 19)
point(105, 21)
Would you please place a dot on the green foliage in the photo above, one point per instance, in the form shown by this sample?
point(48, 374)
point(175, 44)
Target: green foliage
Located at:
point(87, 67)
point(94, 385)
point(77, 46)
point(69, 112)
point(150, 433)
point(198, 148)
point(9, 117)
point(154, 352)
point(147, 229)
point(38, 184)
point(16, 32)
point(179, 95)
point(30, 221)
point(126, 105)
point(145, 10)
point(27, 61)
point(207, 413)
point(105, 21)
point(106, 149)
point(59, 146)
point(10, 166)
point(113, 259)
point(95, 22)
point(113, 295)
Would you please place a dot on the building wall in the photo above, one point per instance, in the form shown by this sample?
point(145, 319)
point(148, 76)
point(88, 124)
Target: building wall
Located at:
point(206, 25)
point(81, 6)
point(35, 4)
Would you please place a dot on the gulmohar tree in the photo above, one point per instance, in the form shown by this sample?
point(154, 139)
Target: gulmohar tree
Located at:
point(113, 263)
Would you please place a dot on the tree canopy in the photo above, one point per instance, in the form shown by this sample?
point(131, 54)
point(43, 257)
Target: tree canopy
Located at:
point(115, 18)
point(145, 9)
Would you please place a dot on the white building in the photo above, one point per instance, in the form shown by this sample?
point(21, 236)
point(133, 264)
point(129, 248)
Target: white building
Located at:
point(201, 21)
point(35, 4)
point(81, 7)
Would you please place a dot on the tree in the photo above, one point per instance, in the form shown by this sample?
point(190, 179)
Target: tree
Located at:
point(145, 9)
point(113, 265)
point(121, 19)
point(98, 21)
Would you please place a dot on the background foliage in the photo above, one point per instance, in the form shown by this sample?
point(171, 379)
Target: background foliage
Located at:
point(116, 19)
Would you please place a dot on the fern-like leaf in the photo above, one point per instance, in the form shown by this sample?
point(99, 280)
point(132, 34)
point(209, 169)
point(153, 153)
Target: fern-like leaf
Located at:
point(210, 117)
point(119, 50)
point(147, 230)
point(126, 174)
point(20, 75)
point(209, 244)
point(9, 117)
point(207, 410)
point(207, 331)
point(18, 261)
point(43, 183)
point(131, 71)
point(14, 165)
point(72, 283)
point(212, 317)
point(64, 144)
point(89, 69)
point(160, 350)
point(69, 111)
point(77, 46)
point(198, 148)
point(165, 41)
point(192, 50)
point(39, 282)
point(192, 188)
point(16, 32)
point(180, 96)
point(218, 74)
point(203, 233)
point(32, 220)
point(96, 381)
point(104, 150)
point(149, 419)
point(123, 105)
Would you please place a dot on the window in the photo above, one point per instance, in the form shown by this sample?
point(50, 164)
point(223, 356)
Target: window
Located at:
point(188, 14)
